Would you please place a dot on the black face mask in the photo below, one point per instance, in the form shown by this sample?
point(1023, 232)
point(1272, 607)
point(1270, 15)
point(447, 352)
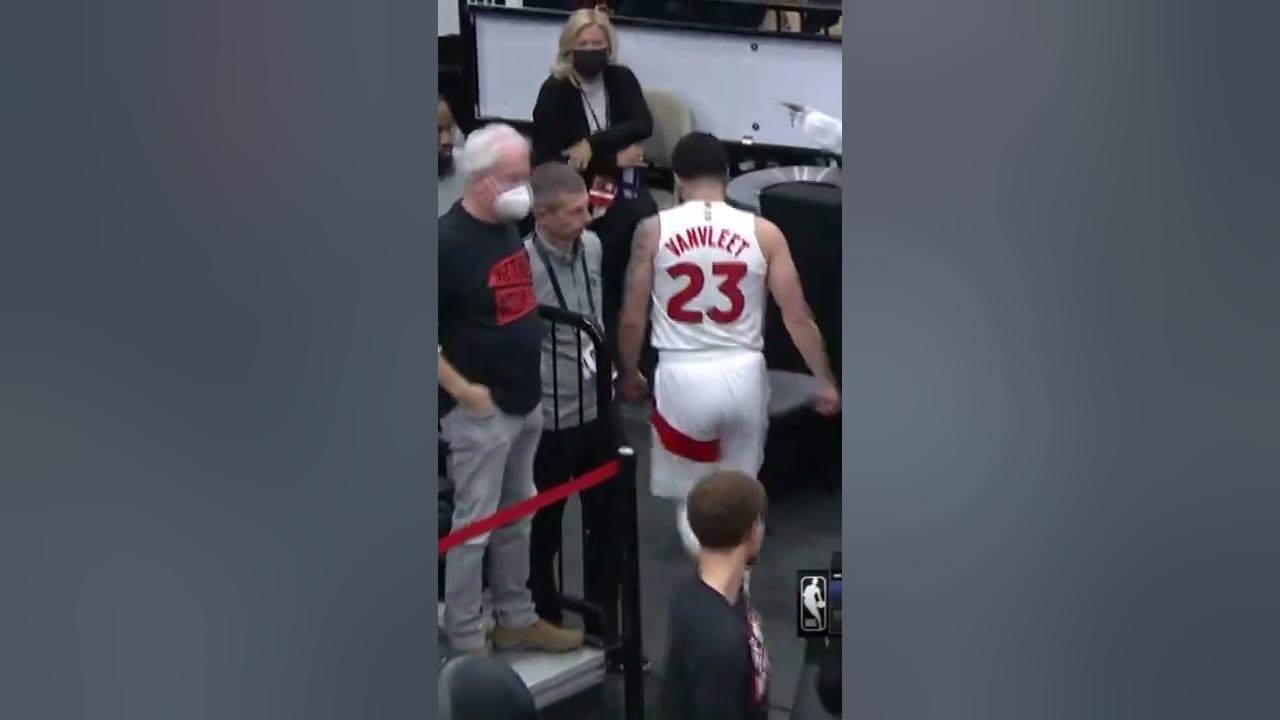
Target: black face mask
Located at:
point(590, 63)
point(445, 165)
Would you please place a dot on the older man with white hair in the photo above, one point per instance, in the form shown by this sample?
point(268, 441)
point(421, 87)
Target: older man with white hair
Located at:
point(491, 391)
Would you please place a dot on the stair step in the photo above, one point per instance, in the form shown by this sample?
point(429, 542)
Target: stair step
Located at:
point(552, 677)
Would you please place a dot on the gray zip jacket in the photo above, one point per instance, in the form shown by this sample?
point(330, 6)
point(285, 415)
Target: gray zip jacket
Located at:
point(568, 270)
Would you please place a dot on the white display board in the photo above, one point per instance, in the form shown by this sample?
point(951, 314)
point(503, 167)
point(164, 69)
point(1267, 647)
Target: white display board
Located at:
point(730, 82)
point(447, 18)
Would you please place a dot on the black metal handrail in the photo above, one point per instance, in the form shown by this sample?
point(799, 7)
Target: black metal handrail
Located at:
point(629, 645)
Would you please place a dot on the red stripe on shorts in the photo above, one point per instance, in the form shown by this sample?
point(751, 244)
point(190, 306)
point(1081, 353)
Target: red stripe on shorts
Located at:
point(677, 443)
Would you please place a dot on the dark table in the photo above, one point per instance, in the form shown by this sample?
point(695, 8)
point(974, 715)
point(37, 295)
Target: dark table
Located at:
point(790, 393)
point(744, 191)
point(791, 421)
point(804, 202)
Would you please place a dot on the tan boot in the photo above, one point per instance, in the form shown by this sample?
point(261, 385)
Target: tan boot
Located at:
point(541, 635)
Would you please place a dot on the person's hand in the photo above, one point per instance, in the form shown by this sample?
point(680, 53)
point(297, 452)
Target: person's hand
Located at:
point(579, 155)
point(827, 399)
point(633, 387)
point(795, 113)
point(476, 401)
point(631, 157)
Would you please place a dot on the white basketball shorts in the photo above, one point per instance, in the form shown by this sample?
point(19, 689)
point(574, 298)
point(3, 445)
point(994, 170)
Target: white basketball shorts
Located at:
point(710, 413)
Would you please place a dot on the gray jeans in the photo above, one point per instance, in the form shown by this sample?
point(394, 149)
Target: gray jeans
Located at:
point(491, 467)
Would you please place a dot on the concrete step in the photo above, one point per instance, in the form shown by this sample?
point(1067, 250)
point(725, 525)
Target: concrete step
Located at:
point(551, 677)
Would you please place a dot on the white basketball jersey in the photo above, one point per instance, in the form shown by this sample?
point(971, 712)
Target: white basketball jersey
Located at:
point(709, 279)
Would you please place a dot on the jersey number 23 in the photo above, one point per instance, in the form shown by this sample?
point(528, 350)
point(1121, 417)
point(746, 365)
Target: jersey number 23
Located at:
point(729, 275)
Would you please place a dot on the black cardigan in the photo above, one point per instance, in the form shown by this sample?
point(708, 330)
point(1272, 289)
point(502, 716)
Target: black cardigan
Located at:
point(560, 120)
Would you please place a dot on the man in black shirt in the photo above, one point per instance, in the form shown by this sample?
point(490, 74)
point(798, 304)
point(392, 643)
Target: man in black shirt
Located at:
point(491, 389)
point(717, 667)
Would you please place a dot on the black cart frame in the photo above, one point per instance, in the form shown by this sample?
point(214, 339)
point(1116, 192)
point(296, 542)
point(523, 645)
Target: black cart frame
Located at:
point(628, 646)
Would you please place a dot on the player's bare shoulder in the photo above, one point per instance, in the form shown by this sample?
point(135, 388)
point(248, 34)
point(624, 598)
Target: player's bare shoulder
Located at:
point(769, 236)
point(644, 242)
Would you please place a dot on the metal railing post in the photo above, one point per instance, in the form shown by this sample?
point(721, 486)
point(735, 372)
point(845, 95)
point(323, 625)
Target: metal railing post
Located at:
point(632, 640)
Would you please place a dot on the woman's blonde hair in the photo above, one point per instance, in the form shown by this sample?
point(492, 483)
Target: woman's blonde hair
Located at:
point(578, 21)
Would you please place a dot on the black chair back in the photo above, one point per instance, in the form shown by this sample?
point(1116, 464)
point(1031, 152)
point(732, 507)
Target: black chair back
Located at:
point(477, 687)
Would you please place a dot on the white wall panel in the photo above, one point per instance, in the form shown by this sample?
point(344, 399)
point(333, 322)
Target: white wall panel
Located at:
point(726, 83)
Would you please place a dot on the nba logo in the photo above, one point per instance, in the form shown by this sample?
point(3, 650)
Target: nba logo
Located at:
point(811, 607)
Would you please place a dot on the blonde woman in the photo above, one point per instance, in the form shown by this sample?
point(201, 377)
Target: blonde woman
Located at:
point(591, 112)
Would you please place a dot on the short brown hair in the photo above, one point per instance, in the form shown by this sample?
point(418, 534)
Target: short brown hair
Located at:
point(552, 181)
point(724, 507)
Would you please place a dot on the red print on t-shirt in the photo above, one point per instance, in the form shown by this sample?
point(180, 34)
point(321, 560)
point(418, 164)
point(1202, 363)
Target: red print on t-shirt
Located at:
point(511, 280)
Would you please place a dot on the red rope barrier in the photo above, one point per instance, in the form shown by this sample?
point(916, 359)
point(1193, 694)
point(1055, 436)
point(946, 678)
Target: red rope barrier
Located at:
point(529, 506)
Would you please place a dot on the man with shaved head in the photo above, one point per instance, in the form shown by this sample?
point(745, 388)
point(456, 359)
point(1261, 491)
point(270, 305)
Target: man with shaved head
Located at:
point(576, 439)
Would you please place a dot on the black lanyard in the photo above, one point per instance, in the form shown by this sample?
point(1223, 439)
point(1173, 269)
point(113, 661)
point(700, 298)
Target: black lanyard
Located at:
point(555, 282)
point(626, 181)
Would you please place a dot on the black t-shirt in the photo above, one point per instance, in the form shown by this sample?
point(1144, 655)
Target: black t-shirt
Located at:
point(716, 667)
point(489, 325)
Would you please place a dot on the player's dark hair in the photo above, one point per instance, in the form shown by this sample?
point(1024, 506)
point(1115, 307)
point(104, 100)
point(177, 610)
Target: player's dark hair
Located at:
point(699, 156)
point(724, 507)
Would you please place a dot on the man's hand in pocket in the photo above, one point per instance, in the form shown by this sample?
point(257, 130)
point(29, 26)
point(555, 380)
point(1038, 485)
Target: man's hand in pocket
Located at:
point(476, 401)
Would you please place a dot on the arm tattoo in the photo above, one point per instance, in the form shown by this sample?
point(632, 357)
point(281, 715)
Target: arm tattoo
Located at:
point(642, 242)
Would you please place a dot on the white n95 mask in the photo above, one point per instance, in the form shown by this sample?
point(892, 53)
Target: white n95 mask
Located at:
point(514, 204)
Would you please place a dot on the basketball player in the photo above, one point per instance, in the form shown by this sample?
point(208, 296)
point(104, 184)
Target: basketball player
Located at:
point(705, 267)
